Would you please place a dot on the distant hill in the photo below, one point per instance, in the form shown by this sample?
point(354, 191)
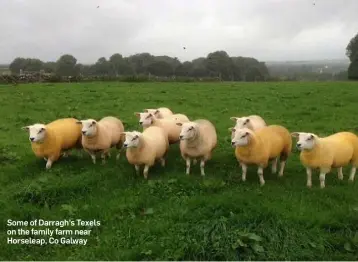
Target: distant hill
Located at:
point(291, 68)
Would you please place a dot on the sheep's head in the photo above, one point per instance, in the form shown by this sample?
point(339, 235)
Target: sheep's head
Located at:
point(241, 137)
point(89, 127)
point(131, 139)
point(154, 112)
point(305, 141)
point(37, 132)
point(242, 122)
point(145, 119)
point(188, 130)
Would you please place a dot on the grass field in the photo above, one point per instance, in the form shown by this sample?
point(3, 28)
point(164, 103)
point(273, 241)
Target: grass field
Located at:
point(172, 215)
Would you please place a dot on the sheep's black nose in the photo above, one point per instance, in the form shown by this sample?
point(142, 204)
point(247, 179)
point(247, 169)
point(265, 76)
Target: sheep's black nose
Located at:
point(298, 145)
point(32, 138)
point(232, 143)
point(181, 137)
point(140, 122)
point(83, 132)
point(125, 145)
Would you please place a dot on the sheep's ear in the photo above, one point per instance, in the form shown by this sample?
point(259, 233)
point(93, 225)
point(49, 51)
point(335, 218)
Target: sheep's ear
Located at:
point(25, 128)
point(311, 136)
point(231, 129)
point(42, 129)
point(295, 134)
point(145, 110)
point(156, 112)
point(233, 118)
point(123, 133)
point(79, 122)
point(179, 124)
point(247, 120)
point(94, 122)
point(137, 114)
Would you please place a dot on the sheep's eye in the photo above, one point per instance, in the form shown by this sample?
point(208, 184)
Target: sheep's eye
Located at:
point(243, 136)
point(191, 128)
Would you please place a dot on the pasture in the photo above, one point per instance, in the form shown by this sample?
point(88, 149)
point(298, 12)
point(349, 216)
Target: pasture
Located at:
point(172, 216)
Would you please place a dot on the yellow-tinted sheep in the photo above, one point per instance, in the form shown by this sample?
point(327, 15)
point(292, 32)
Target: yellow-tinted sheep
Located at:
point(334, 151)
point(261, 146)
point(160, 112)
point(49, 141)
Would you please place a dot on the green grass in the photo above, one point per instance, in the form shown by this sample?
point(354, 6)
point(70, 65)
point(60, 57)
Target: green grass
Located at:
point(173, 216)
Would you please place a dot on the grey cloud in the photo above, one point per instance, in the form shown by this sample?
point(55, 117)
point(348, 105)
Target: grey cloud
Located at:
point(265, 29)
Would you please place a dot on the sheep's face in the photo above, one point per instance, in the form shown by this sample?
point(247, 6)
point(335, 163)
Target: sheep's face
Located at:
point(37, 132)
point(154, 112)
point(132, 139)
point(241, 122)
point(145, 119)
point(305, 141)
point(241, 137)
point(188, 130)
point(89, 127)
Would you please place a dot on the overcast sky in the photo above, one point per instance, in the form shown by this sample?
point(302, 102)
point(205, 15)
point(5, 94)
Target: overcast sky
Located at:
point(264, 29)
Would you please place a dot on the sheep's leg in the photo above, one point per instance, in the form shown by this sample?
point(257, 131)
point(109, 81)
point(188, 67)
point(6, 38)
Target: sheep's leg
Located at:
point(274, 165)
point(103, 156)
point(49, 163)
point(309, 177)
point(353, 173)
point(282, 167)
point(92, 154)
point(340, 173)
point(136, 169)
point(260, 172)
point(244, 171)
point(162, 161)
point(187, 165)
point(322, 176)
point(108, 154)
point(145, 171)
point(202, 166)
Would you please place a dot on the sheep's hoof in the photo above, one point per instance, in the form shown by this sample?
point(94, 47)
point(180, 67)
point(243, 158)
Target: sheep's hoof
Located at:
point(262, 183)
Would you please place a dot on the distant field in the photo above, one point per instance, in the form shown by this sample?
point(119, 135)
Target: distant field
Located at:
point(185, 217)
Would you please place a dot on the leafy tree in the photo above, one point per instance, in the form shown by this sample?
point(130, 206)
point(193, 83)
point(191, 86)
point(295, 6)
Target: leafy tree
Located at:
point(102, 66)
point(220, 64)
point(160, 68)
point(140, 62)
point(65, 65)
point(353, 70)
point(352, 48)
point(17, 64)
point(49, 67)
point(184, 69)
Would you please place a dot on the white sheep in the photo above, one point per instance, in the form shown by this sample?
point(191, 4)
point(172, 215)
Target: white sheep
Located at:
point(168, 124)
point(259, 147)
point(100, 136)
point(334, 151)
point(160, 112)
point(146, 147)
point(54, 139)
point(198, 139)
point(253, 122)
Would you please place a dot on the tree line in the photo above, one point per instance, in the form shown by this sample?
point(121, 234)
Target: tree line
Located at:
point(217, 64)
point(352, 53)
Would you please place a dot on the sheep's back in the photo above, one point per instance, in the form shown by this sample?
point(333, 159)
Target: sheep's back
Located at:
point(66, 131)
point(208, 132)
point(113, 127)
point(275, 139)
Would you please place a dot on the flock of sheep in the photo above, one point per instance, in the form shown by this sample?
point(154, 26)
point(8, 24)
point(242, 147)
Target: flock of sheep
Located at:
point(255, 143)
